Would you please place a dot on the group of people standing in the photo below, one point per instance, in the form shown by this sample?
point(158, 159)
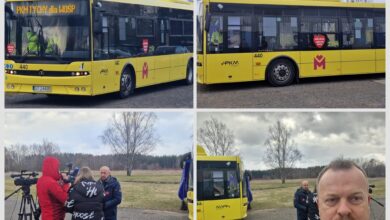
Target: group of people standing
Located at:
point(305, 202)
point(85, 198)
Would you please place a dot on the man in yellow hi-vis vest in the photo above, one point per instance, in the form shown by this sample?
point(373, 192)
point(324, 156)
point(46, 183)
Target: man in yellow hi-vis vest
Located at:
point(32, 42)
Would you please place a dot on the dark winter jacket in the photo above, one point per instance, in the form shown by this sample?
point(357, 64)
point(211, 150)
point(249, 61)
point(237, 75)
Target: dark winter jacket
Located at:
point(301, 203)
point(112, 197)
point(85, 201)
point(52, 194)
point(313, 207)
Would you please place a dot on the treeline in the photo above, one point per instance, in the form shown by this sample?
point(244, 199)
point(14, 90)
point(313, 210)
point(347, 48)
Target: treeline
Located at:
point(22, 157)
point(373, 168)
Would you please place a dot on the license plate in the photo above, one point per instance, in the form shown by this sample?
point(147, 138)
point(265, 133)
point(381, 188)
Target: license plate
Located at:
point(41, 88)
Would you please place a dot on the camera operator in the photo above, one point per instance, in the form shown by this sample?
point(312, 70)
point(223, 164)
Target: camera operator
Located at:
point(51, 190)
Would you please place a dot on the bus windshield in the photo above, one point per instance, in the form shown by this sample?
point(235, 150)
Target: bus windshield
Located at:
point(218, 180)
point(55, 31)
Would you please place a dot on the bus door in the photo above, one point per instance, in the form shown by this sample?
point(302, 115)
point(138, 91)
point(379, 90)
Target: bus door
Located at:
point(106, 70)
point(320, 41)
point(162, 59)
point(228, 44)
point(180, 30)
point(358, 38)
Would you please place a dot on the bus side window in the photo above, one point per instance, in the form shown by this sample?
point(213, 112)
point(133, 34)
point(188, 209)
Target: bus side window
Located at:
point(379, 31)
point(362, 28)
point(234, 30)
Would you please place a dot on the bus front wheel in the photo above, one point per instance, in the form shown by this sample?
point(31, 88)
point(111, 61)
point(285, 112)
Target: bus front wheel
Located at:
point(281, 72)
point(190, 73)
point(126, 84)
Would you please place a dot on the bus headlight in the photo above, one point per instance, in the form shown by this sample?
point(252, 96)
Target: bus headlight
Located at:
point(80, 73)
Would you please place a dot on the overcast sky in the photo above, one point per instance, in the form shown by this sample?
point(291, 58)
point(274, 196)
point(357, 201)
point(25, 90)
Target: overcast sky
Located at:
point(79, 131)
point(320, 136)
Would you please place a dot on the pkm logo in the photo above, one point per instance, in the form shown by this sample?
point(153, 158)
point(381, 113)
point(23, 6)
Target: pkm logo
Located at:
point(230, 63)
point(319, 62)
point(145, 71)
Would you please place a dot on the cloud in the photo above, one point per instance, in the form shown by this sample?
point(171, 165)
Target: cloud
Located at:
point(320, 136)
point(80, 131)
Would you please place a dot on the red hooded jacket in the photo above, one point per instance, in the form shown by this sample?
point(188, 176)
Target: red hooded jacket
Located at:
point(51, 195)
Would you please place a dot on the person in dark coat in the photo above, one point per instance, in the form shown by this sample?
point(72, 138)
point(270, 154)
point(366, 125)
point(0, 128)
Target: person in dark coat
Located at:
point(301, 201)
point(51, 190)
point(313, 213)
point(86, 197)
point(112, 193)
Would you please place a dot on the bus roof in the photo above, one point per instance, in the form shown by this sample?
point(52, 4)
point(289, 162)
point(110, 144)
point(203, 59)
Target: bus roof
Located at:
point(202, 156)
point(315, 3)
point(218, 158)
point(177, 4)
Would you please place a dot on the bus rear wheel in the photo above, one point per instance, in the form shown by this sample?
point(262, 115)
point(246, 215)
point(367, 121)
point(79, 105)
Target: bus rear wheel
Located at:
point(126, 84)
point(190, 74)
point(281, 72)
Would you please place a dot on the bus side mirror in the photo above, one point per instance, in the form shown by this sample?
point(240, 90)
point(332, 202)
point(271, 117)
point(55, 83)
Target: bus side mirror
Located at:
point(208, 20)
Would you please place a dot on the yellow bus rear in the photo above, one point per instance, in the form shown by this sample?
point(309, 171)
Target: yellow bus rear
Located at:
point(90, 47)
point(220, 189)
point(285, 40)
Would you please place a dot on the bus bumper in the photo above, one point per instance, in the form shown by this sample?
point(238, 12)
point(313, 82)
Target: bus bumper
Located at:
point(81, 85)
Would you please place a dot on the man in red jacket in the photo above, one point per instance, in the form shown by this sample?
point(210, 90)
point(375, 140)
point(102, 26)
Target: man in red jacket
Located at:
point(52, 191)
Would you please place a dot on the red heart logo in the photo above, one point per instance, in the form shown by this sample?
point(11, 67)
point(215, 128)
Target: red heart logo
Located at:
point(319, 57)
point(319, 40)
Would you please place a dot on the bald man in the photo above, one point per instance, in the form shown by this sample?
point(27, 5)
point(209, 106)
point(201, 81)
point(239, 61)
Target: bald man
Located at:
point(112, 193)
point(301, 201)
point(343, 192)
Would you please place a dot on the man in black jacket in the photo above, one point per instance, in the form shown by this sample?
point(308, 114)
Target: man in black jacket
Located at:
point(301, 201)
point(112, 193)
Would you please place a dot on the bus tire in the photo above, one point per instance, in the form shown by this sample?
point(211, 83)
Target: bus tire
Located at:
point(126, 83)
point(190, 73)
point(281, 72)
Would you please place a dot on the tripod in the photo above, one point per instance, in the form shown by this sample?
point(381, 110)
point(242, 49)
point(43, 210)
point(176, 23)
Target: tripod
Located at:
point(27, 209)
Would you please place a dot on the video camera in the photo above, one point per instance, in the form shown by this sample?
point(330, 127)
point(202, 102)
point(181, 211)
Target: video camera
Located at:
point(25, 178)
point(71, 173)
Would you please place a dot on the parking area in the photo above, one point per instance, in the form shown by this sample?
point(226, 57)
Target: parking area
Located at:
point(362, 91)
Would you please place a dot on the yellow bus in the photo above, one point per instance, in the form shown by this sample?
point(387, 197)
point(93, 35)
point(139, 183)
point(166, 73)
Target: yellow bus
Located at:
point(93, 47)
point(282, 41)
point(221, 192)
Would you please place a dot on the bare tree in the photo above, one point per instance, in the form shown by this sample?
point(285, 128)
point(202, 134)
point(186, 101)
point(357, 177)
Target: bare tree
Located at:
point(131, 134)
point(216, 137)
point(281, 152)
point(46, 148)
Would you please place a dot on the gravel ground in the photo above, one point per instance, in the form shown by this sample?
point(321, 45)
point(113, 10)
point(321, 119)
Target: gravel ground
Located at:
point(377, 213)
point(170, 95)
point(364, 91)
point(123, 213)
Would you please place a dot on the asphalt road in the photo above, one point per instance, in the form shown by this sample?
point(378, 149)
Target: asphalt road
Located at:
point(364, 91)
point(377, 213)
point(170, 95)
point(12, 209)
